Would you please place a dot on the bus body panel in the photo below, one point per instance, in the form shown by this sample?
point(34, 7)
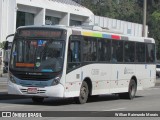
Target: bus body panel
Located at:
point(99, 74)
point(105, 83)
point(50, 91)
point(146, 75)
point(73, 83)
point(100, 77)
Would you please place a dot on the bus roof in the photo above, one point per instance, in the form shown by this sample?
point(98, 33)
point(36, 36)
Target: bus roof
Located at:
point(92, 31)
point(110, 34)
point(43, 26)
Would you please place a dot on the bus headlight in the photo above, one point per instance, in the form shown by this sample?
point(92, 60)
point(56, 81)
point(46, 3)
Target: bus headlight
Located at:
point(11, 78)
point(56, 80)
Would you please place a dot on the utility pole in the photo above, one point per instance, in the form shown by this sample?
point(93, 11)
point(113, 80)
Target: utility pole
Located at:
point(144, 17)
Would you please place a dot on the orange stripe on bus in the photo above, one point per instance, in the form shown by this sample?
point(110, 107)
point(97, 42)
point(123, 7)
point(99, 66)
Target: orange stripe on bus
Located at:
point(24, 65)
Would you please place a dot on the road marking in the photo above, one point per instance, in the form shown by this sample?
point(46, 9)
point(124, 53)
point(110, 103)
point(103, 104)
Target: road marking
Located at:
point(16, 106)
point(152, 89)
point(115, 109)
point(12, 106)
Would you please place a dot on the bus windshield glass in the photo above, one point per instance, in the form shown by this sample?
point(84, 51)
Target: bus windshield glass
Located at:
point(37, 55)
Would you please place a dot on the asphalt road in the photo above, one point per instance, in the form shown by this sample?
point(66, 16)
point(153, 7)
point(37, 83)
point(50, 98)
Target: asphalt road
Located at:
point(146, 100)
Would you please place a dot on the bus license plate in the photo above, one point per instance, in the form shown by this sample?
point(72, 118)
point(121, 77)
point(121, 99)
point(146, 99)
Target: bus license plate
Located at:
point(32, 90)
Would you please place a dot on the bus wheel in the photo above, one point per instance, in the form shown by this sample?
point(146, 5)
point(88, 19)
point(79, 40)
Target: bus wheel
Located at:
point(131, 91)
point(83, 97)
point(37, 99)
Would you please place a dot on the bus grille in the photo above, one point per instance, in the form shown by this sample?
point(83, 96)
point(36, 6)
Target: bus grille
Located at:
point(38, 91)
point(33, 77)
point(33, 85)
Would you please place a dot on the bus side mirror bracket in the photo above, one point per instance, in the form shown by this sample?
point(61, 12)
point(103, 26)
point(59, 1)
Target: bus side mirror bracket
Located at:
point(5, 45)
point(7, 42)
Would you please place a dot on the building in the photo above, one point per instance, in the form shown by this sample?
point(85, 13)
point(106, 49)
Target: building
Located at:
point(124, 27)
point(15, 13)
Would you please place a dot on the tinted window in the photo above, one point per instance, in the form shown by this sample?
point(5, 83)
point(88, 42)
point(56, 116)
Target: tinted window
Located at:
point(37, 55)
point(157, 66)
point(74, 52)
point(140, 52)
point(129, 50)
point(104, 50)
point(150, 53)
point(90, 49)
point(117, 51)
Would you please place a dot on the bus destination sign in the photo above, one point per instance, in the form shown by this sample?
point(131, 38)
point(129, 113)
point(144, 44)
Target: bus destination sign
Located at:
point(41, 33)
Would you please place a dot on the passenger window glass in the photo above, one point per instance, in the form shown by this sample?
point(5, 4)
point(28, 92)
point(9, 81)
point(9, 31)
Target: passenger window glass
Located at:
point(140, 52)
point(90, 49)
point(117, 51)
point(74, 52)
point(104, 50)
point(129, 50)
point(150, 53)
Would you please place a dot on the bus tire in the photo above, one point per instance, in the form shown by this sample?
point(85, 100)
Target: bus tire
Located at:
point(83, 96)
point(131, 91)
point(37, 99)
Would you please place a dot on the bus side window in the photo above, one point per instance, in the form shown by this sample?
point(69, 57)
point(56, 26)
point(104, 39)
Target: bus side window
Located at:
point(129, 50)
point(74, 54)
point(150, 53)
point(104, 50)
point(140, 52)
point(69, 58)
point(90, 49)
point(117, 51)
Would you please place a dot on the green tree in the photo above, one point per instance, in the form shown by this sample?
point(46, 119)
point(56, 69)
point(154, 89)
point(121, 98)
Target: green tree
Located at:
point(154, 29)
point(2, 44)
point(129, 10)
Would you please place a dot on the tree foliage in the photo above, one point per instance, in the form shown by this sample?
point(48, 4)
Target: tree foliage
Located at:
point(2, 44)
point(129, 10)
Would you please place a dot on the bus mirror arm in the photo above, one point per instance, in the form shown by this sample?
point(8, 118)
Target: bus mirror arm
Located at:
point(10, 35)
point(6, 42)
point(5, 45)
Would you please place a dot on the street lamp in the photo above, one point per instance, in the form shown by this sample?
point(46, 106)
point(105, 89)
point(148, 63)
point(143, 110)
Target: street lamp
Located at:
point(144, 17)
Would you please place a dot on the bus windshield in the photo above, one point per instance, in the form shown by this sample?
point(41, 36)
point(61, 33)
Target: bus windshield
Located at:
point(37, 55)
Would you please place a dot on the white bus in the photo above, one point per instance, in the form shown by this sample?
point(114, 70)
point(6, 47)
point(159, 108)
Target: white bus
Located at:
point(79, 62)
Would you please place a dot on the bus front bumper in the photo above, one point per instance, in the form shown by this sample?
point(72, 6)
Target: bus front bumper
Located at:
point(50, 91)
